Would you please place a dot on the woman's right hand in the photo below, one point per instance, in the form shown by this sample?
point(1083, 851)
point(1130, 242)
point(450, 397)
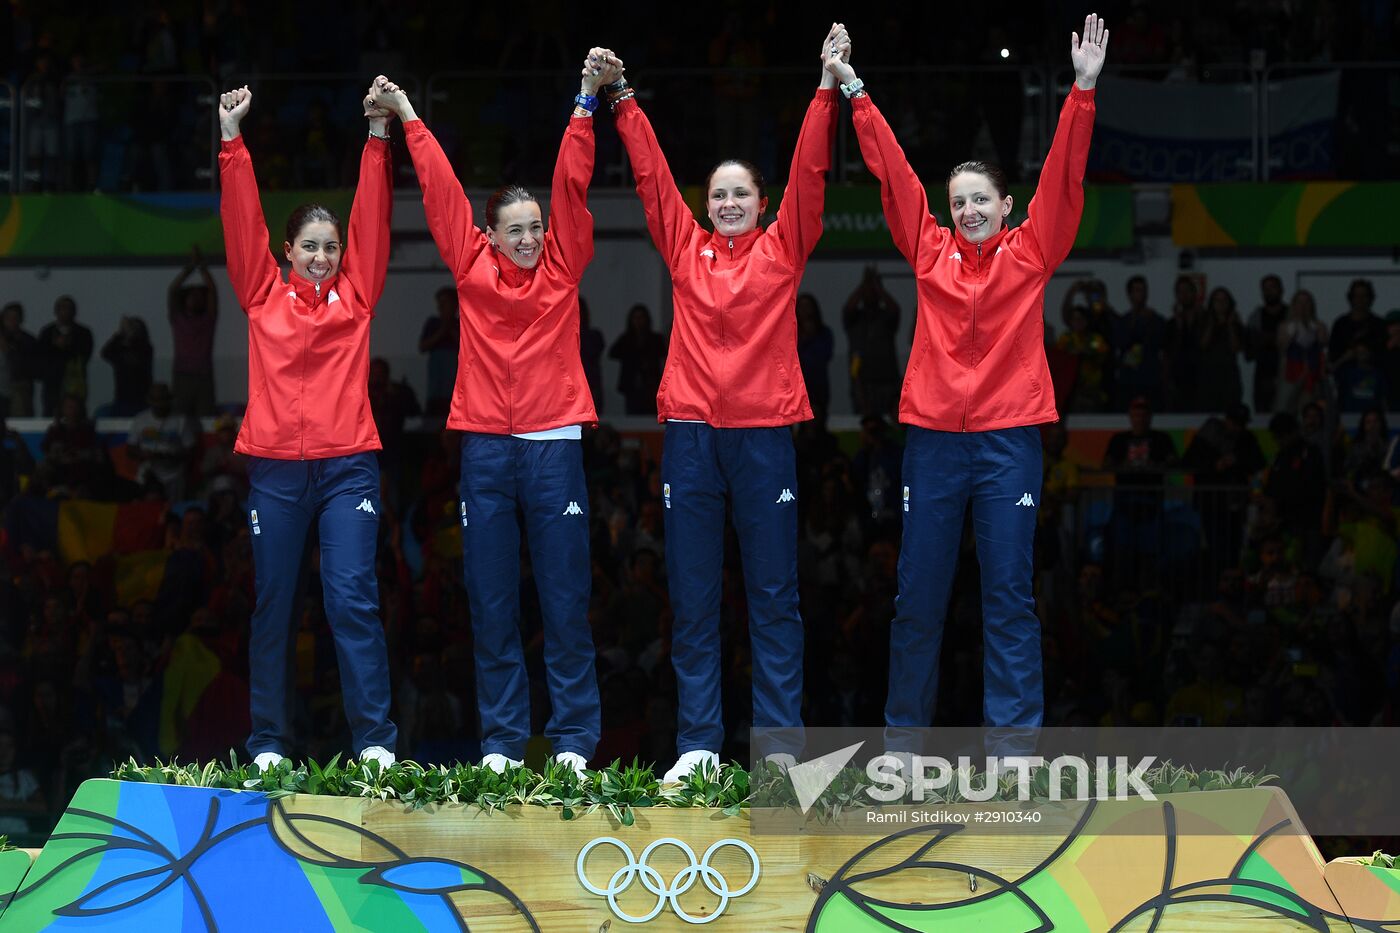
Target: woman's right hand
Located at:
point(836, 54)
point(233, 107)
point(388, 95)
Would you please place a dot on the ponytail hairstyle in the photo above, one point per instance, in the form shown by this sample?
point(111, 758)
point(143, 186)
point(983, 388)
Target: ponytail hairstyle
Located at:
point(311, 214)
point(505, 197)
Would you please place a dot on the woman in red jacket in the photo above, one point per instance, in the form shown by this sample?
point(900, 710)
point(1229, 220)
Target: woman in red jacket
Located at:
point(731, 391)
point(308, 433)
point(521, 398)
point(976, 385)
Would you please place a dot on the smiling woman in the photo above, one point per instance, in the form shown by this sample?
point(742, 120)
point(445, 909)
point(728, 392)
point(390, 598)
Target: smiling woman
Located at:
point(313, 245)
point(976, 386)
point(521, 399)
point(308, 431)
point(731, 391)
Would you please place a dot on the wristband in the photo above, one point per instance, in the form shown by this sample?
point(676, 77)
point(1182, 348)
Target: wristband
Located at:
point(374, 135)
point(855, 89)
point(587, 102)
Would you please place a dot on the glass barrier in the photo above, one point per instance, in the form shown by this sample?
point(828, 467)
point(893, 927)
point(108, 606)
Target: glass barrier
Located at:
point(306, 131)
point(9, 133)
point(1334, 120)
point(1172, 123)
point(1156, 124)
point(116, 133)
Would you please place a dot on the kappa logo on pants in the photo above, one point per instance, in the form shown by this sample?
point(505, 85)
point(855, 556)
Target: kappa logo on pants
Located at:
point(464, 515)
point(666, 494)
point(906, 498)
point(573, 509)
point(257, 529)
point(366, 506)
point(1027, 500)
point(786, 496)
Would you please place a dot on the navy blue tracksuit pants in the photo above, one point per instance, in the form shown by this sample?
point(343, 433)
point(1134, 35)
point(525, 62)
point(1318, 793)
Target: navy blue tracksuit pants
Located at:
point(341, 495)
point(545, 481)
point(998, 473)
point(756, 468)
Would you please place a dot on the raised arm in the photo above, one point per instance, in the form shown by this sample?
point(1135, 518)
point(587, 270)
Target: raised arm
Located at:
point(570, 223)
point(799, 223)
point(444, 202)
point(902, 194)
point(669, 218)
point(1052, 217)
point(251, 268)
point(366, 259)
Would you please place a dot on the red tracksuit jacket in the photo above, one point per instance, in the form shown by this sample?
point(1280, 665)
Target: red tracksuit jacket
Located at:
point(733, 356)
point(978, 362)
point(518, 366)
point(308, 343)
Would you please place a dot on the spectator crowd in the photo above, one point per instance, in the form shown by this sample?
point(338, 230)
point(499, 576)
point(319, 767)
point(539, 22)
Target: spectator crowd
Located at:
point(1238, 573)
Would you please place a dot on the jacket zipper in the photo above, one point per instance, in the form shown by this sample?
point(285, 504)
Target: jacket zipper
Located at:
point(724, 347)
point(301, 396)
point(972, 342)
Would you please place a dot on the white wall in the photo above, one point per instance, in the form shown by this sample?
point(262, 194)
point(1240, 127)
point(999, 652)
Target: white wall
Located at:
point(627, 270)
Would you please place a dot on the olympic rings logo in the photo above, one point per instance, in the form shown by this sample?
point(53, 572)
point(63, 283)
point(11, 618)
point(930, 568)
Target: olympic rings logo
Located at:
point(637, 868)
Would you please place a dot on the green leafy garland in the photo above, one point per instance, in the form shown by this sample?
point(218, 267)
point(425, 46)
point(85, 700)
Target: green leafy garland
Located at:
point(617, 788)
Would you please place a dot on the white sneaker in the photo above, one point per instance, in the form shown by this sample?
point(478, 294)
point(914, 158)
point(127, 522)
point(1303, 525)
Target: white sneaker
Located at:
point(499, 763)
point(572, 760)
point(268, 760)
point(688, 763)
point(380, 754)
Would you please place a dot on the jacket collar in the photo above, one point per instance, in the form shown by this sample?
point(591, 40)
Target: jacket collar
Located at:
point(307, 291)
point(511, 274)
point(969, 251)
point(744, 242)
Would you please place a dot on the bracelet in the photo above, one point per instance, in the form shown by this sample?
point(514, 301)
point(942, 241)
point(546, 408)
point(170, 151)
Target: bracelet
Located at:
point(587, 102)
point(625, 95)
point(855, 89)
point(580, 112)
point(618, 86)
point(374, 135)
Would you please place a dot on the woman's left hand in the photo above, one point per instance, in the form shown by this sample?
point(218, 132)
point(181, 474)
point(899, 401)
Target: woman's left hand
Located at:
point(1088, 54)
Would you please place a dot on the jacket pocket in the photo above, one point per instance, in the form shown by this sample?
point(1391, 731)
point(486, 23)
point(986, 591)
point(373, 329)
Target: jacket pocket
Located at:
point(1024, 361)
point(784, 380)
point(570, 390)
point(460, 394)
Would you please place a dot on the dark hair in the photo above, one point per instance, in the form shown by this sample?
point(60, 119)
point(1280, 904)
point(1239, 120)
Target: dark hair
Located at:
point(1361, 283)
point(1137, 279)
point(1283, 424)
point(747, 166)
point(992, 171)
point(1210, 300)
point(505, 197)
point(310, 214)
point(1379, 412)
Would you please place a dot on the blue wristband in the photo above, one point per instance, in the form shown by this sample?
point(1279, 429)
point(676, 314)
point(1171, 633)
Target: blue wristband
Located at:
point(587, 102)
